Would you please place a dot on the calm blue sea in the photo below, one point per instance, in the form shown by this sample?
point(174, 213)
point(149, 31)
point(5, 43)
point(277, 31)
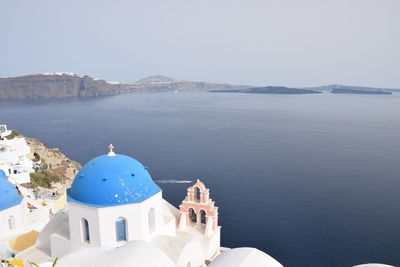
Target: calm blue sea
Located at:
point(313, 180)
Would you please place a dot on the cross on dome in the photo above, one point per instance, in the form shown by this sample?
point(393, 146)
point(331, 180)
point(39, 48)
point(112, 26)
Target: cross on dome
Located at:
point(111, 153)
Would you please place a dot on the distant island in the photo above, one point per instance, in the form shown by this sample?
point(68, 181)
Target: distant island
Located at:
point(355, 91)
point(351, 89)
point(270, 90)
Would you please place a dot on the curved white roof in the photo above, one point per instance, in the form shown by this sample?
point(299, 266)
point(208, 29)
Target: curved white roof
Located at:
point(374, 265)
point(244, 257)
point(135, 253)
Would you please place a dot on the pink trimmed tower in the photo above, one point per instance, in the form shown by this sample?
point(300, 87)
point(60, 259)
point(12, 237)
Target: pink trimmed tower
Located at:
point(198, 209)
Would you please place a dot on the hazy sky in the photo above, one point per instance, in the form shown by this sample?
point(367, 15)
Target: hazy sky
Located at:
point(256, 42)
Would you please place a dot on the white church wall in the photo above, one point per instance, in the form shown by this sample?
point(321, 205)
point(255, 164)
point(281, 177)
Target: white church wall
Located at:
point(171, 217)
point(59, 245)
point(77, 213)
point(137, 220)
point(169, 227)
point(213, 244)
point(11, 220)
point(58, 224)
point(101, 222)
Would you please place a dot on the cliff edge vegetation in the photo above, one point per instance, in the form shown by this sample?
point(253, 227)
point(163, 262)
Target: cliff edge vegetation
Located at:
point(53, 168)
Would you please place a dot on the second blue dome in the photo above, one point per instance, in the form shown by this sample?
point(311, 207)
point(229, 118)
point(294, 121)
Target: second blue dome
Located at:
point(9, 196)
point(3, 175)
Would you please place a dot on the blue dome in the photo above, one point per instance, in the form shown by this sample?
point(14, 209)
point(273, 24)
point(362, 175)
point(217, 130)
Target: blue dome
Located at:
point(111, 181)
point(3, 175)
point(9, 195)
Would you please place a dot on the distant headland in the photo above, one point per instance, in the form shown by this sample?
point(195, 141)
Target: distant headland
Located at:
point(334, 89)
point(355, 91)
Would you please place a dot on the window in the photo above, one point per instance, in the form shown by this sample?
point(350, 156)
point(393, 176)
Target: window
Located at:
point(120, 230)
point(197, 194)
point(152, 221)
point(192, 215)
point(11, 223)
point(203, 217)
point(85, 230)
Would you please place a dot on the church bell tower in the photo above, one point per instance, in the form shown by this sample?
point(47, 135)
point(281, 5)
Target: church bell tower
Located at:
point(198, 210)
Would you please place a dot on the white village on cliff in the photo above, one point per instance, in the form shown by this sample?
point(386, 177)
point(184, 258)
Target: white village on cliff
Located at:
point(113, 214)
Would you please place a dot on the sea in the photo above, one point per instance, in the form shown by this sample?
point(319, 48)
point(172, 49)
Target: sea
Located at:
point(312, 180)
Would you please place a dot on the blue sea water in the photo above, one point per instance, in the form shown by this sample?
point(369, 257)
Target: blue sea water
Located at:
point(313, 180)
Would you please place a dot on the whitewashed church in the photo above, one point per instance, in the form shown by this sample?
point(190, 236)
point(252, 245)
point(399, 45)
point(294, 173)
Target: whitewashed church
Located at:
point(118, 217)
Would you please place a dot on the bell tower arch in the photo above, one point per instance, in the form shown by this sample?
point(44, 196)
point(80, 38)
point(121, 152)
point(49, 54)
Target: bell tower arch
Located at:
point(199, 210)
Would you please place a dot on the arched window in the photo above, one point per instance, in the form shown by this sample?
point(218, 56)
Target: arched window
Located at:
point(120, 230)
point(152, 221)
point(85, 230)
point(11, 223)
point(197, 194)
point(203, 217)
point(192, 215)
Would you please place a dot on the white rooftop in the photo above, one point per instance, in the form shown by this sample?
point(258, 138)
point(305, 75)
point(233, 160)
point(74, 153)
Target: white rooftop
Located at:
point(244, 257)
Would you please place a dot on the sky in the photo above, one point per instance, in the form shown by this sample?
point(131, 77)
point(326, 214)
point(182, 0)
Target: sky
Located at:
point(294, 43)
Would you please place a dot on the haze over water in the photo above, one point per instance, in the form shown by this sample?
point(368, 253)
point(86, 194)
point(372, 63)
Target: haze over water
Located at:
point(313, 180)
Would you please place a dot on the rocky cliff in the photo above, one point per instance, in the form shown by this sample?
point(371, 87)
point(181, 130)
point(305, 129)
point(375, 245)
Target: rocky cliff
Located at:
point(54, 161)
point(54, 85)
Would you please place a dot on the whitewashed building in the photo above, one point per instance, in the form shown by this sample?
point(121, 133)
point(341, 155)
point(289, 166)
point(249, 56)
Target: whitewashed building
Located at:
point(14, 160)
point(16, 219)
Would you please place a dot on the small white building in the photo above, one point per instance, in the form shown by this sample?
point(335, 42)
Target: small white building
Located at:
point(4, 131)
point(16, 219)
point(14, 160)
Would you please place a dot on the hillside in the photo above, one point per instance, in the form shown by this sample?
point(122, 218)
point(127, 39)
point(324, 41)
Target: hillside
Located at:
point(54, 85)
point(65, 85)
point(156, 79)
point(165, 84)
point(55, 161)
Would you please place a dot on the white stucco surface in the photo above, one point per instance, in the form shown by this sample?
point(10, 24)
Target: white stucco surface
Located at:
point(135, 253)
point(13, 215)
point(102, 221)
point(244, 257)
point(14, 159)
point(373, 265)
